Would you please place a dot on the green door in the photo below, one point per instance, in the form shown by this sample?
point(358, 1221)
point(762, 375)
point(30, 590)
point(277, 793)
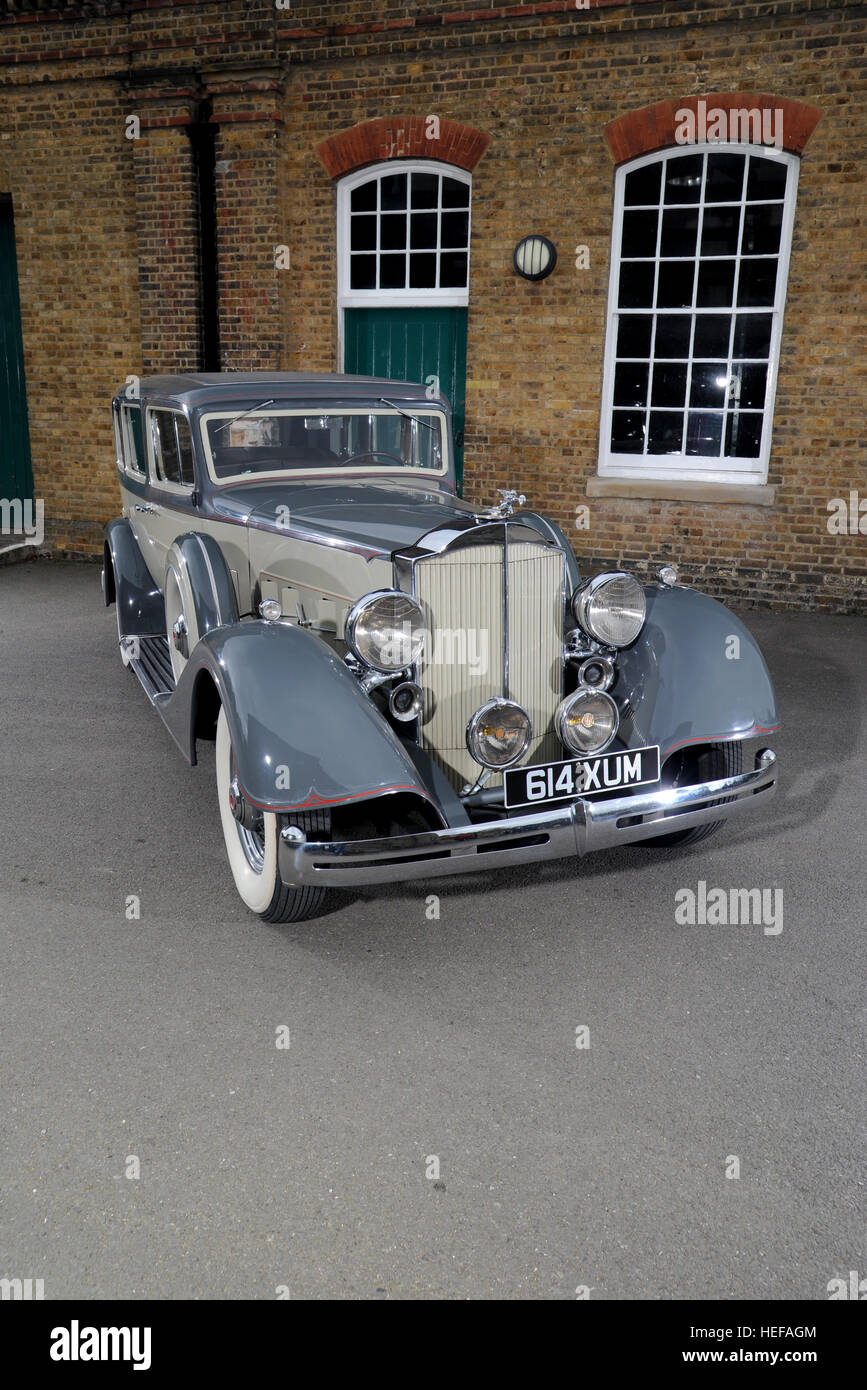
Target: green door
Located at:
point(412, 345)
point(16, 479)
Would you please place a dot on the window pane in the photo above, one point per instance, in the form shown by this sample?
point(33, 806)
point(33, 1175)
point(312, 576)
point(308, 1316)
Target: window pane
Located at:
point(674, 287)
point(767, 179)
point(455, 229)
point(709, 381)
point(703, 435)
point(630, 384)
point(423, 232)
point(453, 270)
point(134, 451)
point(712, 333)
point(392, 192)
point(720, 231)
point(715, 283)
point(363, 234)
point(679, 230)
point(666, 432)
point(636, 285)
point(186, 447)
point(425, 188)
point(669, 385)
point(633, 335)
point(642, 185)
point(683, 179)
point(455, 194)
point(690, 377)
point(639, 234)
point(166, 447)
point(627, 431)
point(758, 282)
point(724, 181)
point(748, 384)
point(672, 335)
point(752, 335)
point(392, 232)
point(422, 270)
point(362, 273)
point(762, 229)
point(743, 434)
point(392, 272)
point(364, 197)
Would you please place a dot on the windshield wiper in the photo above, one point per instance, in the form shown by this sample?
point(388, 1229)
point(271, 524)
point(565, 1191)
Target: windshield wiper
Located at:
point(405, 413)
point(251, 411)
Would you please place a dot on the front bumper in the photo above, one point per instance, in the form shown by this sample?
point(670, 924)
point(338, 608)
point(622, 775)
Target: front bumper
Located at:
point(579, 828)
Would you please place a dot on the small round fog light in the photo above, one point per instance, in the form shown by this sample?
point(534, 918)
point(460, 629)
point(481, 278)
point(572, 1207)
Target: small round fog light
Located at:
point(270, 610)
point(587, 721)
point(499, 733)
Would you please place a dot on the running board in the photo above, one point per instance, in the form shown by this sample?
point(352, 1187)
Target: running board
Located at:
point(153, 666)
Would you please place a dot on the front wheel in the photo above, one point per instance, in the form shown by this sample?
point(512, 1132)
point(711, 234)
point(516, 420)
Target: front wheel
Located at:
point(707, 763)
point(252, 852)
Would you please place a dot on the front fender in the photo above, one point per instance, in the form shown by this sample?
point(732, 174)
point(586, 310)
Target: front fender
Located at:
point(304, 734)
point(140, 608)
point(694, 675)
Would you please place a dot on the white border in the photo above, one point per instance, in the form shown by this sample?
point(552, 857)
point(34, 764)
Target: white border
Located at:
point(671, 467)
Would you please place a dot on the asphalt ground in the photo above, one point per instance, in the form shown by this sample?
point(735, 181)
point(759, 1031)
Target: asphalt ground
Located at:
point(309, 1168)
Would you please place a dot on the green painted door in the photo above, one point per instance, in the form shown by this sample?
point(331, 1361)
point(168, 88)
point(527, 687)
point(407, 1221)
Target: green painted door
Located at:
point(16, 479)
point(412, 345)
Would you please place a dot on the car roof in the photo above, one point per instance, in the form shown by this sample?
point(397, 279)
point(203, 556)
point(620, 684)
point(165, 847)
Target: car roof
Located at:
point(204, 388)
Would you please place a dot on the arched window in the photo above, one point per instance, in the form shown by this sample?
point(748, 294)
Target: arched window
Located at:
point(404, 235)
point(699, 265)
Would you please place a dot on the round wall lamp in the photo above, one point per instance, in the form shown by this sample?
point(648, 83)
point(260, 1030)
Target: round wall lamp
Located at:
point(535, 257)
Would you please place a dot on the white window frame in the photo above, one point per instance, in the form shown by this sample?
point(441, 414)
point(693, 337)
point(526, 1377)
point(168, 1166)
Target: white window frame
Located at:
point(672, 467)
point(126, 443)
point(348, 298)
point(179, 489)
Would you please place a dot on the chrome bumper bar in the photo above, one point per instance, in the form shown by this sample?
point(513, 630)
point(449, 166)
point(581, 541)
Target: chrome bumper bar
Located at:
point(579, 828)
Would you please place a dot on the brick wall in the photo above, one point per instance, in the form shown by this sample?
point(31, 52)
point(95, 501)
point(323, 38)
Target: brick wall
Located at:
point(542, 81)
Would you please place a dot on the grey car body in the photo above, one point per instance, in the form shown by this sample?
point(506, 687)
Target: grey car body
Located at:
point(357, 794)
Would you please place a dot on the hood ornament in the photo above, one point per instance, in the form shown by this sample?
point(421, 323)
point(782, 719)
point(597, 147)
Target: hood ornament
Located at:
point(509, 497)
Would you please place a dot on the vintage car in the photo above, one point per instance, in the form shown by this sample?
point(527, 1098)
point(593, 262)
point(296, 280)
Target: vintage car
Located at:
point(401, 684)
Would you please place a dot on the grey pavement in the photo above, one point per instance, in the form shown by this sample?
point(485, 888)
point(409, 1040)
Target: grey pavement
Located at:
point(305, 1168)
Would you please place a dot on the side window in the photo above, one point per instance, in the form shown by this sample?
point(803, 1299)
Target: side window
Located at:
point(131, 439)
point(173, 448)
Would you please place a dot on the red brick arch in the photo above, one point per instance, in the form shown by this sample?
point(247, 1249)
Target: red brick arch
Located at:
point(653, 127)
point(402, 137)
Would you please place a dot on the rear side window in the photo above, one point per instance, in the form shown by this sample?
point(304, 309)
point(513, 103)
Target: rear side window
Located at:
point(173, 447)
point(131, 439)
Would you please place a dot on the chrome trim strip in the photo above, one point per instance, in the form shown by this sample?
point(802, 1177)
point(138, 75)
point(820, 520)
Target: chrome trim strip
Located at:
point(505, 610)
point(579, 828)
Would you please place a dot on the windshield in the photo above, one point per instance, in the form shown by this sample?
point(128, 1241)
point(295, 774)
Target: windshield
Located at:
point(276, 439)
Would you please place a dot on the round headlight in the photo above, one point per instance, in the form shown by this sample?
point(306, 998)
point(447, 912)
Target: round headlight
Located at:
point(386, 630)
point(611, 608)
point(587, 721)
point(499, 733)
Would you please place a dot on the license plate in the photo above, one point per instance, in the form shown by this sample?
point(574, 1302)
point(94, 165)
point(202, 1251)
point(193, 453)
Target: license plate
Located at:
point(607, 772)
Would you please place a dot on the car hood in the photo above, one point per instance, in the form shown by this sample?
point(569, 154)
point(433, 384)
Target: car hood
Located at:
point(379, 515)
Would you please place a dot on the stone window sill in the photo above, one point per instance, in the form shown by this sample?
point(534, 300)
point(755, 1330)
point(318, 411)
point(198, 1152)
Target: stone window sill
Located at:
point(740, 494)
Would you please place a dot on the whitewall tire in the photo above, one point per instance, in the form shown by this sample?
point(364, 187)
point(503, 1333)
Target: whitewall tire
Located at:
point(252, 854)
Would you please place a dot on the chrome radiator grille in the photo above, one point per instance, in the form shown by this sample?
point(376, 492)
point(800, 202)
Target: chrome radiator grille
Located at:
point(462, 591)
